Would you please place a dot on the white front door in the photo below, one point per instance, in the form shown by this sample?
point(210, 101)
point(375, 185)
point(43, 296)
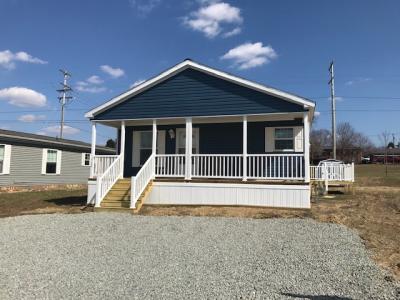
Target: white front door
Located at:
point(181, 141)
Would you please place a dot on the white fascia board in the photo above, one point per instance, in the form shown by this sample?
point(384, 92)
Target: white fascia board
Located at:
point(188, 63)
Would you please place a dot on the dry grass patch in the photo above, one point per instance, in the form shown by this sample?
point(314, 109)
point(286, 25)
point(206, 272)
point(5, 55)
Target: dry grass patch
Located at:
point(36, 202)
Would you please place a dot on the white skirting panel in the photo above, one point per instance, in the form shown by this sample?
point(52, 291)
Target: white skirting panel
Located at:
point(184, 193)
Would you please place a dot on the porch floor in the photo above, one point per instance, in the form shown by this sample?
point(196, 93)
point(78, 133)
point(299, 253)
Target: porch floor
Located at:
point(230, 180)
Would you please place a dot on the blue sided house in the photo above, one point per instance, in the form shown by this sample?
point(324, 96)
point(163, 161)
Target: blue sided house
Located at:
point(194, 135)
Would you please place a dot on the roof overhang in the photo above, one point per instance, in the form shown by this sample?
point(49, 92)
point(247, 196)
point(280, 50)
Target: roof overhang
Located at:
point(307, 104)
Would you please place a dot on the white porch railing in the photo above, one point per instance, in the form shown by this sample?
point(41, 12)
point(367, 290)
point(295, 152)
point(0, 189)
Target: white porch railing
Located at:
point(230, 166)
point(108, 179)
point(275, 166)
point(170, 165)
point(342, 172)
point(100, 163)
point(217, 165)
point(142, 179)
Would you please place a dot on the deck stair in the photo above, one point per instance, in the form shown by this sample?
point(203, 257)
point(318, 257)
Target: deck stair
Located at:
point(118, 198)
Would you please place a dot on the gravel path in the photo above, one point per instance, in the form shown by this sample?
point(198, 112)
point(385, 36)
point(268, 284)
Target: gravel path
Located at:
point(108, 256)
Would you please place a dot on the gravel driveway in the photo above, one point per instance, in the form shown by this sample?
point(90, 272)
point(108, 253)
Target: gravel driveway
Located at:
point(101, 255)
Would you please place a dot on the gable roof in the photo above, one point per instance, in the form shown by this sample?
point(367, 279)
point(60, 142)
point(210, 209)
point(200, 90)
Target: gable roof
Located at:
point(42, 141)
point(202, 68)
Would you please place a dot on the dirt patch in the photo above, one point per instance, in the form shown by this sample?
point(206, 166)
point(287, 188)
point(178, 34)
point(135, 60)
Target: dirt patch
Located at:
point(36, 202)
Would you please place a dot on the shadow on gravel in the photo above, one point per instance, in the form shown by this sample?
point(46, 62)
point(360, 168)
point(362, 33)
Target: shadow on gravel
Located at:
point(316, 297)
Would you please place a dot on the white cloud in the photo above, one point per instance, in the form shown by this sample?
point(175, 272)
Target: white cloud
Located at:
point(317, 113)
point(68, 130)
point(29, 118)
point(250, 55)
point(94, 79)
point(233, 32)
point(23, 97)
point(113, 72)
point(144, 7)
point(8, 59)
point(358, 80)
point(137, 82)
point(212, 17)
point(91, 85)
point(85, 88)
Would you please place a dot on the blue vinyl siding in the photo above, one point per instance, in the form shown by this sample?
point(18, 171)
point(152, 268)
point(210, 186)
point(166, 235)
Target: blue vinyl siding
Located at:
point(194, 93)
point(219, 138)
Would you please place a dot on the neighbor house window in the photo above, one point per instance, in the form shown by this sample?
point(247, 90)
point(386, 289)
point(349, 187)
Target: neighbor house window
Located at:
point(284, 139)
point(51, 161)
point(2, 156)
point(85, 159)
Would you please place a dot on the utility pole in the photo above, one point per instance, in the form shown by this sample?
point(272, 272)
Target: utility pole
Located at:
point(64, 98)
point(333, 100)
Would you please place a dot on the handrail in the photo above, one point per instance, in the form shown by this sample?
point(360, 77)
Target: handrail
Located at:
point(100, 163)
point(142, 179)
point(343, 172)
point(108, 179)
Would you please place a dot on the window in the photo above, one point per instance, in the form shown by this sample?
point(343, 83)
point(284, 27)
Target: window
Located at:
point(85, 159)
point(2, 156)
point(146, 140)
point(284, 139)
point(51, 161)
point(181, 140)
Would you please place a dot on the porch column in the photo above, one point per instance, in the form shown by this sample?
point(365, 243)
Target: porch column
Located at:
point(93, 150)
point(306, 147)
point(154, 141)
point(122, 150)
point(244, 148)
point(188, 149)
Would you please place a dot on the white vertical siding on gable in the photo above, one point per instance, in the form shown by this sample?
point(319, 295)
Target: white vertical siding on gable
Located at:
point(272, 195)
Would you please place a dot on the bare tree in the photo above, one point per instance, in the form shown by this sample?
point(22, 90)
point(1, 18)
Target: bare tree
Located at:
point(385, 138)
point(319, 139)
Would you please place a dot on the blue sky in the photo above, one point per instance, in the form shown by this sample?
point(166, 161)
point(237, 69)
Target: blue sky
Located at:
point(109, 45)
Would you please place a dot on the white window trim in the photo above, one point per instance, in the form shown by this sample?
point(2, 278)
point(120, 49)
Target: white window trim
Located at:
point(6, 160)
point(58, 162)
point(197, 138)
point(269, 139)
point(83, 160)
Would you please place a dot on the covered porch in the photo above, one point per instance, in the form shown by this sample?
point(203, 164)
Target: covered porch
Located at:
point(267, 148)
point(257, 147)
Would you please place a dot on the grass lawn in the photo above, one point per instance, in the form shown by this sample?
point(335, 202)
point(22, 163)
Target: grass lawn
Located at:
point(51, 201)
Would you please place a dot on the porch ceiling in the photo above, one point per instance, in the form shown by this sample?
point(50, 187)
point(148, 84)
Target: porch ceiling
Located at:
point(201, 120)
